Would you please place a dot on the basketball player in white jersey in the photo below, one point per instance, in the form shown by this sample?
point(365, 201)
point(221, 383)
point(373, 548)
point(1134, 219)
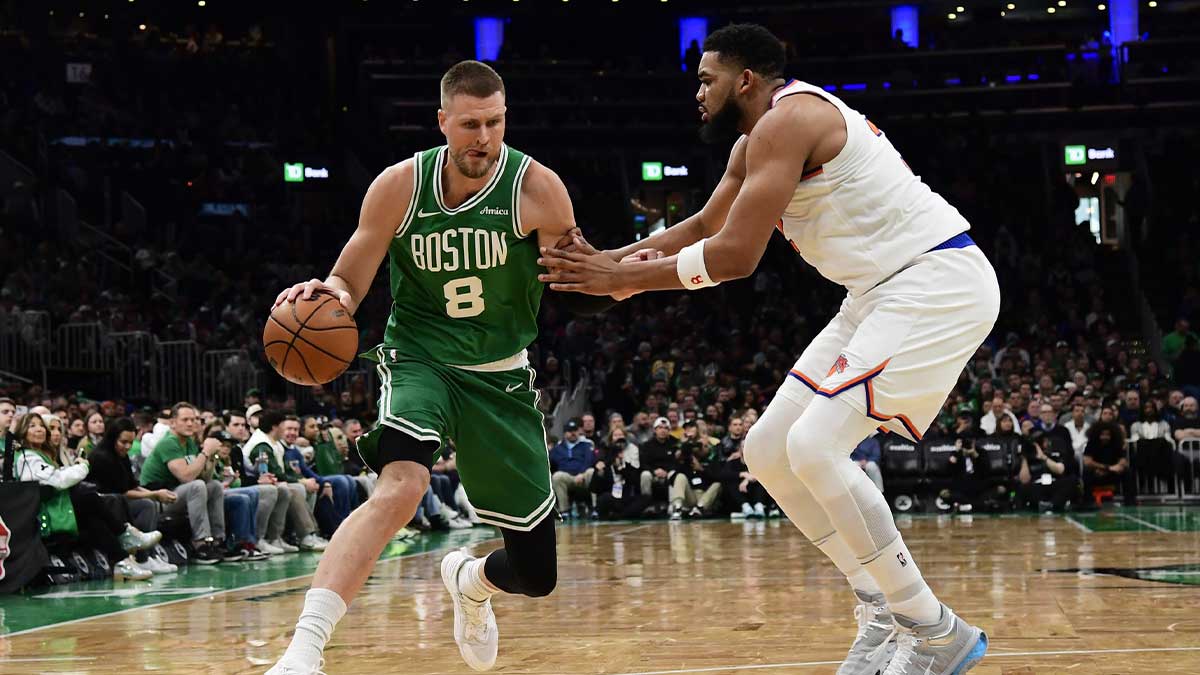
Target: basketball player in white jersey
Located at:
point(921, 299)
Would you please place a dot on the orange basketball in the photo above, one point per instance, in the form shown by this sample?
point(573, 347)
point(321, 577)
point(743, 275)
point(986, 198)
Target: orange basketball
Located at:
point(310, 341)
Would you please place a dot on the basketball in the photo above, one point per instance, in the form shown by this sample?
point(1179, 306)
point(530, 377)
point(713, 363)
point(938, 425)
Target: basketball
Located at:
point(310, 341)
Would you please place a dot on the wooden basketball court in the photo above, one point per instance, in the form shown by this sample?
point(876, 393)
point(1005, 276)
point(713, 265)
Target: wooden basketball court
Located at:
point(1117, 592)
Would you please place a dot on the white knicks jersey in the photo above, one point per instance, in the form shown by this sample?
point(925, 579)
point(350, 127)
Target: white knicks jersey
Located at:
point(863, 215)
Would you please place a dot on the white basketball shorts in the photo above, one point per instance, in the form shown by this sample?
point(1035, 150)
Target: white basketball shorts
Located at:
point(895, 352)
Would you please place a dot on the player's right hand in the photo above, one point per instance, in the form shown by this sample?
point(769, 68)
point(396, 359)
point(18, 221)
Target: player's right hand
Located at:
point(305, 290)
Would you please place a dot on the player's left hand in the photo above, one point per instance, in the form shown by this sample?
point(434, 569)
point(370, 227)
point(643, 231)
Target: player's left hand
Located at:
point(574, 242)
point(577, 272)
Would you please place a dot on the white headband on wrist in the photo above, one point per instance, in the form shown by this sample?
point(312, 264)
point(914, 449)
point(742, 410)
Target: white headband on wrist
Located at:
point(689, 265)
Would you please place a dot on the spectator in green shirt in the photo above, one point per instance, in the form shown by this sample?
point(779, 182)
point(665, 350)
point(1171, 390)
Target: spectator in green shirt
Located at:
point(176, 464)
point(1174, 342)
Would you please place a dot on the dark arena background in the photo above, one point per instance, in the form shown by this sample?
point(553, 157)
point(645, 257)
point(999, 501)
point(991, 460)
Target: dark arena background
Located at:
point(167, 168)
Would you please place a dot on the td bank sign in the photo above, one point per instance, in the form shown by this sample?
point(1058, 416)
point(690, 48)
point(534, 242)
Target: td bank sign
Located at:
point(1078, 155)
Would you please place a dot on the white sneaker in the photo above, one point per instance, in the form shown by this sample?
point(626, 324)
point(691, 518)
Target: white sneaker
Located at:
point(158, 566)
point(134, 540)
point(128, 569)
point(268, 548)
point(282, 668)
point(313, 542)
point(475, 629)
point(281, 544)
point(460, 523)
point(876, 643)
point(949, 646)
point(760, 511)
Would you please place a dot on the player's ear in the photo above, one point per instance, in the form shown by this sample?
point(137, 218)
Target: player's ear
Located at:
point(745, 81)
point(442, 120)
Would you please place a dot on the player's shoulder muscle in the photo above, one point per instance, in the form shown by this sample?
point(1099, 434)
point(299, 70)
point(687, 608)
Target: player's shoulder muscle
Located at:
point(545, 202)
point(389, 197)
point(801, 119)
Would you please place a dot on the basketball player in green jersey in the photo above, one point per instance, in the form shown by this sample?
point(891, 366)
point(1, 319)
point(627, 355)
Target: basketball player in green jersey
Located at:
point(462, 225)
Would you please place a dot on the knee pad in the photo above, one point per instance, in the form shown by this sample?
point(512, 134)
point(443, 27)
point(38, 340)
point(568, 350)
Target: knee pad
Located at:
point(806, 451)
point(826, 433)
point(765, 447)
point(541, 584)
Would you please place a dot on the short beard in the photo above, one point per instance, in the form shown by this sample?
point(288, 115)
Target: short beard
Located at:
point(722, 127)
point(465, 168)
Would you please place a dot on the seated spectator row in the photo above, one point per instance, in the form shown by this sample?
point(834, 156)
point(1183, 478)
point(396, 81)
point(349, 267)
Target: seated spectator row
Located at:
point(238, 486)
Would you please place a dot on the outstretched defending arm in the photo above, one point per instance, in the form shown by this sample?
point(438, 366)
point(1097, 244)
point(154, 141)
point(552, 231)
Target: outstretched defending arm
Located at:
point(776, 153)
point(546, 208)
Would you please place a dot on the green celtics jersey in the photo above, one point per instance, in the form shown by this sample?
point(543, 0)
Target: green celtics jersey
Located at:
point(464, 280)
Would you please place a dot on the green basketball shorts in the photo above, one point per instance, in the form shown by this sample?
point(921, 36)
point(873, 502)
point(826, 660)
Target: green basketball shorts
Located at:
point(492, 421)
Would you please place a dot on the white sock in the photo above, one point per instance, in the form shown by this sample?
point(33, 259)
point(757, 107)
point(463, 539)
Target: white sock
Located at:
point(323, 609)
point(894, 569)
point(862, 582)
point(836, 549)
point(471, 583)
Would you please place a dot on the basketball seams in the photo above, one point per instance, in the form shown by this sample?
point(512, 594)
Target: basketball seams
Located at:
point(310, 314)
point(304, 324)
point(326, 352)
point(297, 336)
point(329, 328)
point(304, 362)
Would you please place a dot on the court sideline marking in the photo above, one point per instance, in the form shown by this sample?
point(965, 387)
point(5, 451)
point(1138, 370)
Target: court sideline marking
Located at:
point(1140, 521)
point(1081, 526)
point(619, 533)
point(52, 659)
point(206, 596)
point(800, 664)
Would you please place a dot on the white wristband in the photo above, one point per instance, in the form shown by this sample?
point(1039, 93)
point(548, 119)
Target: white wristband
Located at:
point(689, 265)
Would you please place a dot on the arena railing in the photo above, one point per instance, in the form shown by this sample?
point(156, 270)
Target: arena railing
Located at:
point(82, 347)
point(1151, 464)
point(912, 472)
point(1189, 479)
point(177, 371)
point(25, 342)
point(225, 377)
point(364, 378)
point(132, 354)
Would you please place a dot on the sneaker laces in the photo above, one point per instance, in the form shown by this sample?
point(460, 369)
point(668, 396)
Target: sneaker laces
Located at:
point(475, 628)
point(906, 647)
point(861, 612)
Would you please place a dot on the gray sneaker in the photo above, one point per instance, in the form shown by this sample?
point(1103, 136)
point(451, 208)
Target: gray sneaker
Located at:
point(876, 642)
point(949, 647)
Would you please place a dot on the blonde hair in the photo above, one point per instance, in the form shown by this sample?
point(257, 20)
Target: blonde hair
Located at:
point(472, 78)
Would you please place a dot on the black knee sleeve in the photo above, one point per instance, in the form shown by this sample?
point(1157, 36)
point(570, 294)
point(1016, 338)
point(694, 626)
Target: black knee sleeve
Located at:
point(528, 563)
